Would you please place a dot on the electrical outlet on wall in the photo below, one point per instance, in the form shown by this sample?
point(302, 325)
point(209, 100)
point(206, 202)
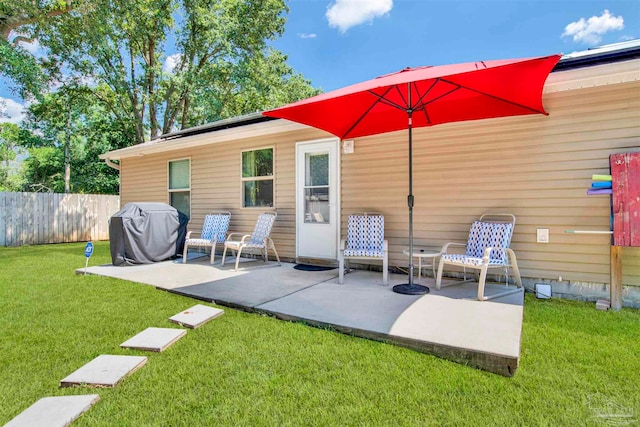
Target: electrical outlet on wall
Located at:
point(542, 235)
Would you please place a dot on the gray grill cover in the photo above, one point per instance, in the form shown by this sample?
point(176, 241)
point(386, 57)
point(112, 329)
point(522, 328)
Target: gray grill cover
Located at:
point(142, 233)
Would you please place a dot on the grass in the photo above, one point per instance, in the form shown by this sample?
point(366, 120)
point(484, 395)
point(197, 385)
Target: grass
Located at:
point(577, 364)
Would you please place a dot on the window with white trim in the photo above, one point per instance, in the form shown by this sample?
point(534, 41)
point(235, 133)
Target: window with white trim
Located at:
point(257, 178)
point(180, 185)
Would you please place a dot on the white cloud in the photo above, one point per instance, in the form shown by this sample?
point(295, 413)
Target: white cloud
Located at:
point(11, 111)
point(307, 36)
point(344, 14)
point(171, 63)
point(590, 31)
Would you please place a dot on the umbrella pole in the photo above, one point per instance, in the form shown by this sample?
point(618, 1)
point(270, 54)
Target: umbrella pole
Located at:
point(410, 288)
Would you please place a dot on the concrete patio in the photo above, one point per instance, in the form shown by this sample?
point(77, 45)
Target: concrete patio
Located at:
point(448, 323)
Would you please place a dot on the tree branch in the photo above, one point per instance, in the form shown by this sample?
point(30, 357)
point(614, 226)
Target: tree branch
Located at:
point(12, 23)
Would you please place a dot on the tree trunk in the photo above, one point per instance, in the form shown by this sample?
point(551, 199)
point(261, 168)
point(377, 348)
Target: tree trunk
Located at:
point(67, 154)
point(151, 63)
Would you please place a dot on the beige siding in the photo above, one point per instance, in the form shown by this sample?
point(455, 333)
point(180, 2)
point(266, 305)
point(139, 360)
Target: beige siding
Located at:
point(536, 167)
point(215, 183)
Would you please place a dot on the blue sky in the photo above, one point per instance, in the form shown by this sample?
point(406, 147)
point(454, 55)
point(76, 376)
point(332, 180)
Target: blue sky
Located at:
point(335, 43)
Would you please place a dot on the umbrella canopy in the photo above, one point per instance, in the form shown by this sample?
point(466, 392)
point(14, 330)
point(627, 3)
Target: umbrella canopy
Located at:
point(426, 96)
point(442, 94)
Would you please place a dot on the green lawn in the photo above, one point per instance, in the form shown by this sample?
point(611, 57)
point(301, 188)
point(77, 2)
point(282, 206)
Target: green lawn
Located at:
point(577, 364)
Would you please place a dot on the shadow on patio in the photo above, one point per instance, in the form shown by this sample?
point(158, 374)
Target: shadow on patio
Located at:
point(448, 323)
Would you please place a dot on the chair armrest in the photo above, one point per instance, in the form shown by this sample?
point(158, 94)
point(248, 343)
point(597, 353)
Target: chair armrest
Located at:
point(385, 246)
point(230, 236)
point(189, 233)
point(487, 254)
point(343, 244)
point(445, 248)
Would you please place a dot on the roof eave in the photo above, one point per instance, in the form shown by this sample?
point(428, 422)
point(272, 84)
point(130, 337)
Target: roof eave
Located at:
point(222, 134)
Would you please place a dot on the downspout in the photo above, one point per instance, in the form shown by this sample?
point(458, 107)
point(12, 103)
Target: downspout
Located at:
point(110, 163)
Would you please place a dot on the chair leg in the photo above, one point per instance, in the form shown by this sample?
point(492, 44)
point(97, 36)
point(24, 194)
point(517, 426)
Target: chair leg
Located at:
point(514, 265)
point(481, 282)
point(184, 253)
point(213, 251)
point(439, 277)
point(238, 257)
point(341, 270)
point(224, 254)
point(273, 247)
point(385, 270)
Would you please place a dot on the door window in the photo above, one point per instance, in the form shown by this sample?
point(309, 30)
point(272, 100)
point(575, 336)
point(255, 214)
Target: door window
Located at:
point(316, 189)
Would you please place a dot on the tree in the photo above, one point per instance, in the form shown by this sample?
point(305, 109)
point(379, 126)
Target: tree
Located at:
point(73, 129)
point(17, 14)
point(121, 72)
point(262, 81)
point(9, 146)
point(126, 46)
point(22, 21)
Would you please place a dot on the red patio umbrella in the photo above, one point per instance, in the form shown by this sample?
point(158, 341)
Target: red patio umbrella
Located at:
point(426, 96)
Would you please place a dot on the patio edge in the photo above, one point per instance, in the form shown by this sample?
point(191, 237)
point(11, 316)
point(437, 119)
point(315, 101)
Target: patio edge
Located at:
point(498, 364)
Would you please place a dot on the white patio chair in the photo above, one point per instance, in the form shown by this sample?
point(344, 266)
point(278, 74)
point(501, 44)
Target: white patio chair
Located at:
point(487, 248)
point(214, 231)
point(259, 240)
point(365, 242)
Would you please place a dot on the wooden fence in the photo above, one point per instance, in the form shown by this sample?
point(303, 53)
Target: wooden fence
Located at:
point(40, 218)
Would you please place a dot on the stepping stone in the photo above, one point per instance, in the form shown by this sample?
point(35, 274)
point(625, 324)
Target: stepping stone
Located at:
point(104, 371)
point(54, 411)
point(154, 339)
point(196, 316)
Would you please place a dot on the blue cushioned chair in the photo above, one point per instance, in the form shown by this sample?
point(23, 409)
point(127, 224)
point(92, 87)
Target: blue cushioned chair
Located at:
point(259, 240)
point(487, 248)
point(214, 231)
point(365, 241)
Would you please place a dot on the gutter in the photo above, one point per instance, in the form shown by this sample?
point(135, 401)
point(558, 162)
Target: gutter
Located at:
point(112, 165)
point(607, 54)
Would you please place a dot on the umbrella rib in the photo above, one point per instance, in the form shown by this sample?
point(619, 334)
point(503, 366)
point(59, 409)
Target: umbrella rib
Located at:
point(443, 95)
point(495, 97)
point(386, 101)
point(357, 122)
point(404, 100)
point(391, 104)
point(420, 106)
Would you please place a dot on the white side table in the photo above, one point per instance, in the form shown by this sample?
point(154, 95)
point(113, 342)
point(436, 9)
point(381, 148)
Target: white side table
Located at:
point(422, 252)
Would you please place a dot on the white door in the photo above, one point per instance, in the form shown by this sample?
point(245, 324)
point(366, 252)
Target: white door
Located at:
point(317, 213)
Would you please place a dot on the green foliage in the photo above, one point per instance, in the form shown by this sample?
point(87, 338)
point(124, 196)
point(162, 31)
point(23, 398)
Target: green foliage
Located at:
point(257, 83)
point(23, 69)
point(24, 20)
point(222, 66)
point(71, 115)
point(10, 147)
point(43, 170)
